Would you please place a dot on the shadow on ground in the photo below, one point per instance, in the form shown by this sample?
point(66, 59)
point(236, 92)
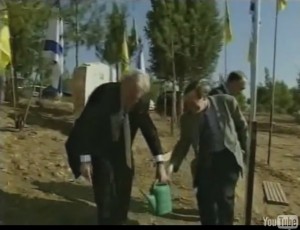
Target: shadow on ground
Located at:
point(80, 193)
point(19, 210)
point(293, 157)
point(43, 120)
point(48, 106)
point(189, 215)
point(8, 129)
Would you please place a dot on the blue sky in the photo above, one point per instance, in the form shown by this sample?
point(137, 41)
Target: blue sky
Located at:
point(288, 40)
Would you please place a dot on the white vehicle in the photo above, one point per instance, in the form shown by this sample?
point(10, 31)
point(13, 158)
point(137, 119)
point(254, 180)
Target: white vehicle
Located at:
point(85, 79)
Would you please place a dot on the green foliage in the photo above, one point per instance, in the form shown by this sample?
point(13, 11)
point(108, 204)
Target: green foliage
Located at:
point(71, 12)
point(188, 32)
point(115, 29)
point(109, 48)
point(133, 40)
point(283, 97)
point(295, 92)
point(27, 22)
point(83, 24)
point(242, 100)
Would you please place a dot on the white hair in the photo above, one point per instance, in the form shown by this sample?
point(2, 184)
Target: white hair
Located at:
point(206, 86)
point(141, 78)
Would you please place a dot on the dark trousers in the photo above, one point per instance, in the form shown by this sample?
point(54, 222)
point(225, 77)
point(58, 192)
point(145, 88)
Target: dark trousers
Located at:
point(112, 183)
point(216, 189)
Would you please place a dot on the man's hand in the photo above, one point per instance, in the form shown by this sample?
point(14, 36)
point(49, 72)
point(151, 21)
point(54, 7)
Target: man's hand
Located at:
point(170, 170)
point(86, 171)
point(161, 173)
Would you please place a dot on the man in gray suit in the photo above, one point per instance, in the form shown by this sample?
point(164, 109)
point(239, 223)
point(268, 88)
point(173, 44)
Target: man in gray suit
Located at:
point(234, 85)
point(221, 130)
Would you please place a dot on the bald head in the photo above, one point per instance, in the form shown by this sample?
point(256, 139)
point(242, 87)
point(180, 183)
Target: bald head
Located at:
point(236, 82)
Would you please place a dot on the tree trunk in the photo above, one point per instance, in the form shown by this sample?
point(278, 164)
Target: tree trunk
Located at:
point(118, 72)
point(2, 88)
point(181, 89)
point(174, 93)
point(174, 108)
point(165, 102)
point(15, 77)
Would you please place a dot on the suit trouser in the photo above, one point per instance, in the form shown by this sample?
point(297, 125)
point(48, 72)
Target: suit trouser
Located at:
point(112, 183)
point(193, 167)
point(216, 189)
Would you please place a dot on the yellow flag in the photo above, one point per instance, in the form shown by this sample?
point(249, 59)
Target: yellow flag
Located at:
point(124, 55)
point(227, 27)
point(281, 5)
point(5, 51)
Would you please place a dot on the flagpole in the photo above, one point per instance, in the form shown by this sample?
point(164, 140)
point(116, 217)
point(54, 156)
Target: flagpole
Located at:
point(251, 149)
point(77, 35)
point(225, 60)
point(225, 44)
point(273, 85)
point(254, 64)
point(61, 62)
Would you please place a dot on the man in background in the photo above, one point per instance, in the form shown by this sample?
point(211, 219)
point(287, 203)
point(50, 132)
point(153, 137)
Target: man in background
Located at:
point(222, 138)
point(99, 146)
point(234, 85)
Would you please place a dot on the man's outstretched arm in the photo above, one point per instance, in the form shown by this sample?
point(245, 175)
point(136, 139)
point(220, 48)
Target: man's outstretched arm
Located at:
point(150, 134)
point(183, 144)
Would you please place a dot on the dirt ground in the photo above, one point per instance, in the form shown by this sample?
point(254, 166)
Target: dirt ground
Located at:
point(37, 187)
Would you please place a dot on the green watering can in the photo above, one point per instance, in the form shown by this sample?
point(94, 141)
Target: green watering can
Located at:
point(159, 199)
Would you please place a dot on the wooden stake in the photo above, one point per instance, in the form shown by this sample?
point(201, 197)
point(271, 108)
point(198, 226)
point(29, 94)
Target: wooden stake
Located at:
point(30, 100)
point(13, 91)
point(250, 175)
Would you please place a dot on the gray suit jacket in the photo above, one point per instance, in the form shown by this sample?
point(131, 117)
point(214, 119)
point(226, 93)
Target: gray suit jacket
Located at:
point(232, 123)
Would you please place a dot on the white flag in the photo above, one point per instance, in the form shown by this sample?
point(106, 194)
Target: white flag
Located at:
point(140, 58)
point(54, 51)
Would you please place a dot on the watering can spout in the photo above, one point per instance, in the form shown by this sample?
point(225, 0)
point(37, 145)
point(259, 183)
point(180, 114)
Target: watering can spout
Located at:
point(151, 200)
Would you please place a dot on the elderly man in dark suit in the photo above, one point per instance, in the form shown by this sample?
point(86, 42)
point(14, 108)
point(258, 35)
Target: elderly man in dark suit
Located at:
point(218, 125)
point(99, 146)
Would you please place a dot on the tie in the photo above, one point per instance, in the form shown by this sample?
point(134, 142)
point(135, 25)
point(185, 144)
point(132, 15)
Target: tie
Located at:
point(127, 140)
point(205, 134)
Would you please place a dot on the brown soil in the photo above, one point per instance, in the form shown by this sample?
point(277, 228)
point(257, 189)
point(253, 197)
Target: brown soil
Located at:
point(37, 186)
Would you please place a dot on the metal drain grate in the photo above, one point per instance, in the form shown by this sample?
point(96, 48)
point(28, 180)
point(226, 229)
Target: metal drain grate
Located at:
point(274, 193)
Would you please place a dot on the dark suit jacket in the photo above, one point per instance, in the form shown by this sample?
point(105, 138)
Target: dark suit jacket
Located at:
point(218, 90)
point(92, 132)
point(231, 122)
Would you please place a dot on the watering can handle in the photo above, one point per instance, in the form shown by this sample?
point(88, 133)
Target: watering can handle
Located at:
point(156, 181)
